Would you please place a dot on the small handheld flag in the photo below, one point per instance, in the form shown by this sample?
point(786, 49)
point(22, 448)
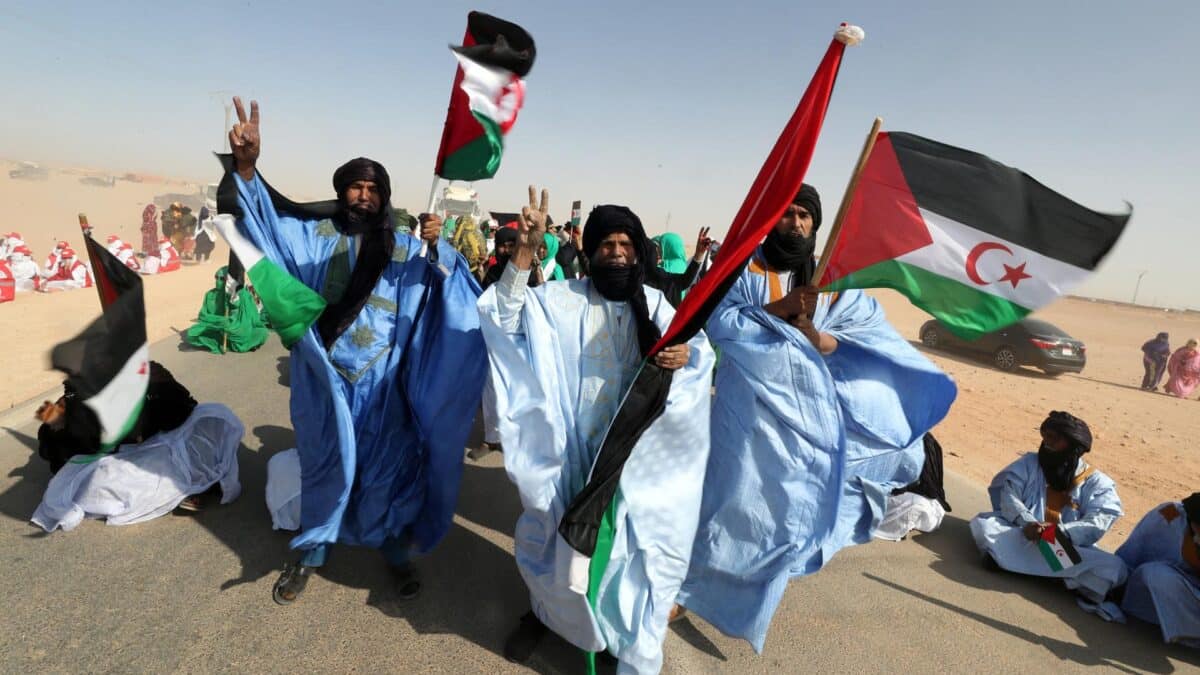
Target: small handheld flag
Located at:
point(1056, 547)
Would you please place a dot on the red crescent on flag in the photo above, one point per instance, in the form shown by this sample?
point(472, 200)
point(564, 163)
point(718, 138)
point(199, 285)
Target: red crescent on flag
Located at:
point(974, 255)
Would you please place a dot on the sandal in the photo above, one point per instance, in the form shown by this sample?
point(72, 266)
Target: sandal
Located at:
point(291, 583)
point(191, 504)
point(408, 585)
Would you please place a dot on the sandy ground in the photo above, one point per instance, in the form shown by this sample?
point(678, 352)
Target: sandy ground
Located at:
point(1140, 437)
point(46, 211)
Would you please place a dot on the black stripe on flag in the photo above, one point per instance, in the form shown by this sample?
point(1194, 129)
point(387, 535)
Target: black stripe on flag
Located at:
point(1064, 540)
point(93, 358)
point(499, 43)
point(983, 194)
point(644, 403)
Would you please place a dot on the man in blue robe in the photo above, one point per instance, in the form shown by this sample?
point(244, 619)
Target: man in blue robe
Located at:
point(563, 356)
point(376, 400)
point(1054, 486)
point(819, 414)
point(1163, 555)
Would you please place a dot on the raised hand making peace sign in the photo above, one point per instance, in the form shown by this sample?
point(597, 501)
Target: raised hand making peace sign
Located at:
point(244, 139)
point(531, 228)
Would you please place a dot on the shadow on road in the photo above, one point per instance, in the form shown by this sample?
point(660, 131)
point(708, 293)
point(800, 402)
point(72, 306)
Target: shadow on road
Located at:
point(284, 371)
point(19, 501)
point(1131, 648)
point(25, 439)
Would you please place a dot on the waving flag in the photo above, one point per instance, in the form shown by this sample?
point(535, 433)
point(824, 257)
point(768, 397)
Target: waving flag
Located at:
point(489, 89)
point(777, 182)
point(108, 364)
point(291, 306)
point(973, 242)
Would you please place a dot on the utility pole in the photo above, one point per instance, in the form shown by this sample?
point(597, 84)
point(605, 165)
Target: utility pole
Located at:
point(1137, 286)
point(226, 99)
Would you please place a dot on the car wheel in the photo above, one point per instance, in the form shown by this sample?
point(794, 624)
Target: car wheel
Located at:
point(931, 338)
point(1005, 359)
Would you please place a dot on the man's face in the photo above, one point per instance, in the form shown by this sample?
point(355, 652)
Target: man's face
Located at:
point(616, 250)
point(795, 221)
point(505, 248)
point(363, 196)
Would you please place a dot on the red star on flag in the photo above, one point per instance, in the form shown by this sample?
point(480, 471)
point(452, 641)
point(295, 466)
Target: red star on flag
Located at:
point(1014, 275)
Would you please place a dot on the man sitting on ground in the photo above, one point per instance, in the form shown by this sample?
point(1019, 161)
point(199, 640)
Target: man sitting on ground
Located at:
point(1163, 555)
point(1055, 497)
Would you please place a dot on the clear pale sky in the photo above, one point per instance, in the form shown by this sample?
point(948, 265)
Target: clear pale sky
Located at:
point(665, 107)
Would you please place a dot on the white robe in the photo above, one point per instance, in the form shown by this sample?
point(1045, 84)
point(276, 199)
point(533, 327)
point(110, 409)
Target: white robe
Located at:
point(25, 271)
point(144, 481)
point(1019, 497)
point(1163, 588)
point(562, 359)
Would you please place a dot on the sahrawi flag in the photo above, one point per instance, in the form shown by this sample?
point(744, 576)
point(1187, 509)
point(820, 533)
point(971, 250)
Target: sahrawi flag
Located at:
point(290, 305)
point(489, 89)
point(108, 364)
point(1057, 549)
point(778, 181)
point(973, 242)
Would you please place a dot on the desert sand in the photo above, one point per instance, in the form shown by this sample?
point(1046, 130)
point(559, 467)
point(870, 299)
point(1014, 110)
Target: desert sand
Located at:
point(46, 211)
point(1141, 439)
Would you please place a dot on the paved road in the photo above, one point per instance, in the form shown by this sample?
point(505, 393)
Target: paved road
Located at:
point(193, 594)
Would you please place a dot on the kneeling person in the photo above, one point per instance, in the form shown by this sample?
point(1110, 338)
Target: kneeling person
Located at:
point(177, 452)
point(1047, 504)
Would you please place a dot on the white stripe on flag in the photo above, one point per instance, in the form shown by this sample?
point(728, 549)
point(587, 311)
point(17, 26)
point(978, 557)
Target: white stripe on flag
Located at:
point(245, 251)
point(953, 242)
point(122, 396)
point(495, 93)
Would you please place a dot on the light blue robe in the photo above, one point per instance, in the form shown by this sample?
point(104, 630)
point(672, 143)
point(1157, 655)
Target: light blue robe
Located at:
point(382, 417)
point(562, 358)
point(1018, 496)
point(805, 448)
point(1162, 588)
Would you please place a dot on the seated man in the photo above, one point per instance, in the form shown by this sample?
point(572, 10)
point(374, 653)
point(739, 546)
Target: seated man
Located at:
point(228, 321)
point(177, 451)
point(1163, 555)
point(24, 269)
point(1047, 497)
point(71, 274)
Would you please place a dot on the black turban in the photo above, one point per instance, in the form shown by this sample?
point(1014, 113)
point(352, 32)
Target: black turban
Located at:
point(621, 283)
point(1070, 427)
point(378, 242)
point(506, 235)
point(363, 169)
point(1191, 506)
point(809, 199)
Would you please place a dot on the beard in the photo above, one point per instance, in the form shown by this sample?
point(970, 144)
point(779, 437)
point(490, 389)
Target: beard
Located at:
point(362, 217)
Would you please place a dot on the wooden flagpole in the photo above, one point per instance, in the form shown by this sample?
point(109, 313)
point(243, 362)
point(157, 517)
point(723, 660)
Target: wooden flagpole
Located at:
point(868, 146)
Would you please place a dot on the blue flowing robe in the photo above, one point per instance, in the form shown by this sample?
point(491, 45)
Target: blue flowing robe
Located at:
point(1163, 588)
point(381, 418)
point(805, 448)
point(561, 366)
point(1018, 495)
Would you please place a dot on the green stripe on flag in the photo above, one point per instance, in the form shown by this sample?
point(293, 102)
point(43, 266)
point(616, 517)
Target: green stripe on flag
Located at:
point(107, 448)
point(478, 159)
point(291, 305)
point(1047, 550)
point(966, 312)
point(604, 545)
